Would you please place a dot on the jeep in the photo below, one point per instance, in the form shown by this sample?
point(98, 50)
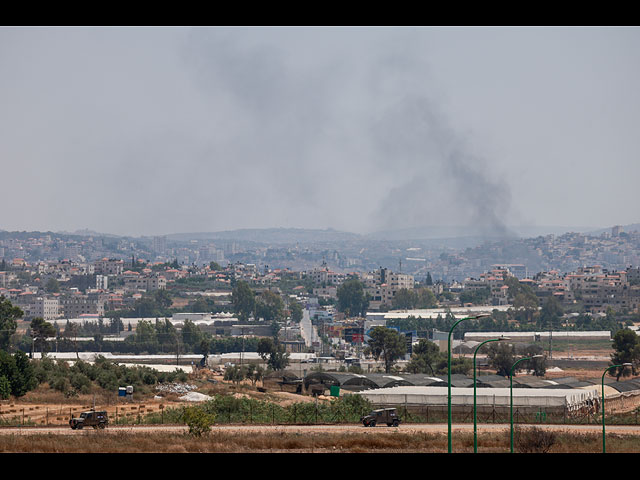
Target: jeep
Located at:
point(90, 418)
point(382, 415)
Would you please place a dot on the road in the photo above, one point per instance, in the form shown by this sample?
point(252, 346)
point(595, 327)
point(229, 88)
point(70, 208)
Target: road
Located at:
point(348, 429)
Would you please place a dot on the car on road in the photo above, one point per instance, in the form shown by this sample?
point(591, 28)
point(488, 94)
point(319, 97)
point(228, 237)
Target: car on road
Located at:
point(90, 418)
point(381, 415)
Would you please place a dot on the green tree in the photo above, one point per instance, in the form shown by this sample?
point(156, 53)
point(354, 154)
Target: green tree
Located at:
point(5, 388)
point(9, 314)
point(269, 306)
point(273, 353)
point(26, 379)
point(405, 299)
point(425, 357)
point(191, 333)
point(425, 298)
point(387, 344)
point(501, 357)
point(528, 304)
point(52, 286)
point(352, 299)
point(243, 300)
point(145, 332)
point(40, 331)
point(550, 313)
point(626, 346)
point(297, 311)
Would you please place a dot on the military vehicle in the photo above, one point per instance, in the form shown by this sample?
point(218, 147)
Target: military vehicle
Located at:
point(90, 418)
point(382, 415)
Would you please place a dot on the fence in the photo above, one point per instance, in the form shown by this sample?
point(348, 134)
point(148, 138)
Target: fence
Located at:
point(312, 413)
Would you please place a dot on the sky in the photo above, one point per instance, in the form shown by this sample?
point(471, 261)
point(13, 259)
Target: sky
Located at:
point(157, 130)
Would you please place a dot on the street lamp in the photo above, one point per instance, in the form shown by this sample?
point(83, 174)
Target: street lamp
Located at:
point(511, 391)
point(475, 317)
point(475, 418)
point(603, 374)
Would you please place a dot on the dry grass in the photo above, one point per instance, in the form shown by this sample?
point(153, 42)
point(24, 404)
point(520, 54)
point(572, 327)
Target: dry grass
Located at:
point(283, 442)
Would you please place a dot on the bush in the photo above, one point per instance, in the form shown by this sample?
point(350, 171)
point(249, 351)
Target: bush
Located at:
point(534, 440)
point(198, 421)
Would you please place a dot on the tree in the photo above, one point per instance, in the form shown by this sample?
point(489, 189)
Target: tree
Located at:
point(18, 371)
point(52, 286)
point(425, 357)
point(501, 357)
point(538, 365)
point(273, 353)
point(387, 344)
point(9, 314)
point(191, 333)
point(528, 304)
point(405, 299)
point(243, 300)
point(626, 346)
point(425, 298)
point(352, 299)
point(269, 305)
point(40, 330)
point(297, 311)
point(550, 313)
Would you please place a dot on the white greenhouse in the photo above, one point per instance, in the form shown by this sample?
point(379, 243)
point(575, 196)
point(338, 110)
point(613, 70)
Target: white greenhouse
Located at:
point(568, 400)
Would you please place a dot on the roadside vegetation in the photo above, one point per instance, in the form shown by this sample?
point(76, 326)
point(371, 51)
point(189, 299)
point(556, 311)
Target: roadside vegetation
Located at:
point(282, 442)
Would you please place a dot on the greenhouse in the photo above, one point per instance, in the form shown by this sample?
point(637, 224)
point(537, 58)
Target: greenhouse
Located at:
point(569, 400)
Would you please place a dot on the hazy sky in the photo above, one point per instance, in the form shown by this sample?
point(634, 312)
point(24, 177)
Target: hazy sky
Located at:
point(144, 131)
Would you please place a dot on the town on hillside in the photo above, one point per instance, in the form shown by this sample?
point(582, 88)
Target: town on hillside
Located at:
point(90, 284)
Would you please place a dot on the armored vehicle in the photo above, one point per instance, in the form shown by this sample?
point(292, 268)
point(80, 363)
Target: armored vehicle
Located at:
point(382, 415)
point(90, 418)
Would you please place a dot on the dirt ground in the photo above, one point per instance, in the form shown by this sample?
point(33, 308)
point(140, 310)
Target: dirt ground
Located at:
point(44, 406)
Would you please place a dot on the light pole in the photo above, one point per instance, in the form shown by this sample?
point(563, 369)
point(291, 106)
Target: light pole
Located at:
point(604, 450)
point(449, 371)
point(511, 391)
point(475, 418)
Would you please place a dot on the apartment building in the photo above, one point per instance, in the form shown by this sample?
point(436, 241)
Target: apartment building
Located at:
point(39, 307)
point(75, 305)
point(324, 276)
point(145, 282)
point(109, 266)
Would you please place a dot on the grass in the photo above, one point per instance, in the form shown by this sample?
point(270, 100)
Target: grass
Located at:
point(283, 442)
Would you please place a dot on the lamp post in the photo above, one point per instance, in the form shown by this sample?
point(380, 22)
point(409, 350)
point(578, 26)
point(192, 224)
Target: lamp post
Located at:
point(604, 450)
point(449, 371)
point(475, 418)
point(511, 391)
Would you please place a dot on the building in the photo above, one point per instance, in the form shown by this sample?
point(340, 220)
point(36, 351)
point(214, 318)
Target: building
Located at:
point(109, 266)
point(145, 282)
point(46, 308)
point(76, 305)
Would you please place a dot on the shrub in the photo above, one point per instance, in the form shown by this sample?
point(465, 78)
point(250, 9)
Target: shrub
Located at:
point(534, 440)
point(198, 421)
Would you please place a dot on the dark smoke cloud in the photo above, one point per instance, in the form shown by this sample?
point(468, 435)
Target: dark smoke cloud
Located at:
point(442, 181)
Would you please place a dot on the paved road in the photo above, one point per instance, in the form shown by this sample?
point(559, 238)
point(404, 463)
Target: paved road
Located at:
point(407, 428)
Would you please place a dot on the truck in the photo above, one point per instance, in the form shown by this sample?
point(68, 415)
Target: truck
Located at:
point(90, 418)
point(382, 415)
